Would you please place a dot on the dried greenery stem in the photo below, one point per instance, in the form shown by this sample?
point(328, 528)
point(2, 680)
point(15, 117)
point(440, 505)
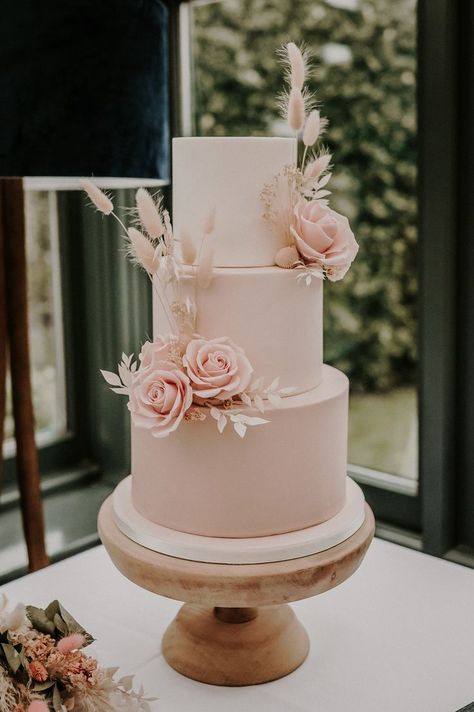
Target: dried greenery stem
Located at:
point(114, 215)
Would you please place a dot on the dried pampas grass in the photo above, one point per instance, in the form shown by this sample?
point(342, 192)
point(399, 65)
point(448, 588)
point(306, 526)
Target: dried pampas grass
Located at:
point(149, 214)
point(206, 263)
point(210, 222)
point(97, 196)
point(296, 110)
point(141, 251)
point(312, 128)
point(188, 248)
point(318, 166)
point(297, 65)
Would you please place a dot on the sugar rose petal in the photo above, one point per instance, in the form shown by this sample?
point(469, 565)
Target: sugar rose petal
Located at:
point(160, 395)
point(323, 236)
point(217, 369)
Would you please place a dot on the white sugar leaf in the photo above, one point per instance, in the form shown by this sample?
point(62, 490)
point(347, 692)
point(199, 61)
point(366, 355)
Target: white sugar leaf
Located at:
point(215, 413)
point(324, 180)
point(221, 423)
point(126, 682)
point(111, 378)
point(308, 280)
point(274, 399)
point(246, 399)
point(121, 391)
point(287, 391)
point(256, 385)
point(258, 400)
point(274, 385)
point(125, 358)
point(240, 429)
point(133, 367)
point(249, 420)
point(321, 194)
point(125, 375)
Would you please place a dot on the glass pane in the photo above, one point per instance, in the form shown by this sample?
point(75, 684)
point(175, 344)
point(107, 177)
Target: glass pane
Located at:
point(45, 319)
point(365, 57)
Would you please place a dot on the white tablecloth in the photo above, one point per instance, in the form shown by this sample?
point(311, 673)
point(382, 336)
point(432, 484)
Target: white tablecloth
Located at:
point(396, 637)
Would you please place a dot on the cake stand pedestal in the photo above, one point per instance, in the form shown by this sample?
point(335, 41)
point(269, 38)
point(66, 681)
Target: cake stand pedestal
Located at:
point(236, 627)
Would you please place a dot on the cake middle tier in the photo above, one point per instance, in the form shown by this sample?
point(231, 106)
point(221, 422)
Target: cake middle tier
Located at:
point(265, 311)
point(284, 475)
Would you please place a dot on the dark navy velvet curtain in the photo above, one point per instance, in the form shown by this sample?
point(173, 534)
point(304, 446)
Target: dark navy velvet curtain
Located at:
point(84, 88)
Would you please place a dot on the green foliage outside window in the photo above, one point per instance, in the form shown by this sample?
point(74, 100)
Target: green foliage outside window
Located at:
point(365, 77)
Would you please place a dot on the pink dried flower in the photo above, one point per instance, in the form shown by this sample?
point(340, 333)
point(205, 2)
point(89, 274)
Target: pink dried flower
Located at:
point(73, 666)
point(71, 642)
point(38, 647)
point(38, 706)
point(38, 671)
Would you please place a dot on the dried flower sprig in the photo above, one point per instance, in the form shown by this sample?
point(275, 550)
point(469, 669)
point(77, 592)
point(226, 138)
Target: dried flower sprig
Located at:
point(205, 266)
point(98, 197)
point(149, 213)
point(43, 666)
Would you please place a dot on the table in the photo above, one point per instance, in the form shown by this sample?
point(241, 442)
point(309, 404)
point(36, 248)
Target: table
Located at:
point(398, 636)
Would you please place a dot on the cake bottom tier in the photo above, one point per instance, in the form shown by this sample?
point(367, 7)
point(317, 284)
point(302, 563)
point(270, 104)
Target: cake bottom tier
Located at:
point(283, 476)
point(256, 550)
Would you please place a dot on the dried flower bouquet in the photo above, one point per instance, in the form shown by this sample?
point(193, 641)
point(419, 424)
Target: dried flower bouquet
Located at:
point(43, 666)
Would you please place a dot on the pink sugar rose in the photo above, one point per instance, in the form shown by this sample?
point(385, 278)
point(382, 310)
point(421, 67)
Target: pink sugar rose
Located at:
point(217, 369)
point(324, 237)
point(154, 351)
point(160, 395)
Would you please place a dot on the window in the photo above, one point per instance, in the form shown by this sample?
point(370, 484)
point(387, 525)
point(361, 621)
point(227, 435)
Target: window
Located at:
point(45, 321)
point(365, 76)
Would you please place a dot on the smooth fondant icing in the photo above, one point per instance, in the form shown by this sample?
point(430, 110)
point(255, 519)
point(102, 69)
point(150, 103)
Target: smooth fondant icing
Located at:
point(266, 549)
point(228, 175)
point(285, 475)
point(274, 318)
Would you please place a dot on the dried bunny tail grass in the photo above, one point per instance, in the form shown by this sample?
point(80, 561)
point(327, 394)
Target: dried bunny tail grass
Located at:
point(210, 222)
point(188, 248)
point(206, 263)
point(168, 231)
point(312, 128)
point(318, 165)
point(141, 251)
point(296, 63)
point(149, 213)
point(296, 110)
point(97, 196)
point(298, 66)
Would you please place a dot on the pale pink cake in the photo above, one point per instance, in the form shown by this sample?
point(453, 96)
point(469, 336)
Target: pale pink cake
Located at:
point(290, 473)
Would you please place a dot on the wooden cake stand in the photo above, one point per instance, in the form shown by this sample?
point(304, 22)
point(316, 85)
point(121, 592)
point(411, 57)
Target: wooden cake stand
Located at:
point(236, 627)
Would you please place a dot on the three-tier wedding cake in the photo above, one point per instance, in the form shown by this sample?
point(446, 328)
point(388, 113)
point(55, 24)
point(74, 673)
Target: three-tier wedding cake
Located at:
point(239, 431)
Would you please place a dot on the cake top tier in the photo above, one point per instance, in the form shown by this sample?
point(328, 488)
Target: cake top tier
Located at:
point(227, 175)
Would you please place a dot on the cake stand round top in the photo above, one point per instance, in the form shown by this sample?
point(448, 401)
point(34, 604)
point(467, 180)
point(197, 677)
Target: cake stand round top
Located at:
point(234, 585)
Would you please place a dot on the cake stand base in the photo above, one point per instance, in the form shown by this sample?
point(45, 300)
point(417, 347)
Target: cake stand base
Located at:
point(235, 646)
point(237, 628)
